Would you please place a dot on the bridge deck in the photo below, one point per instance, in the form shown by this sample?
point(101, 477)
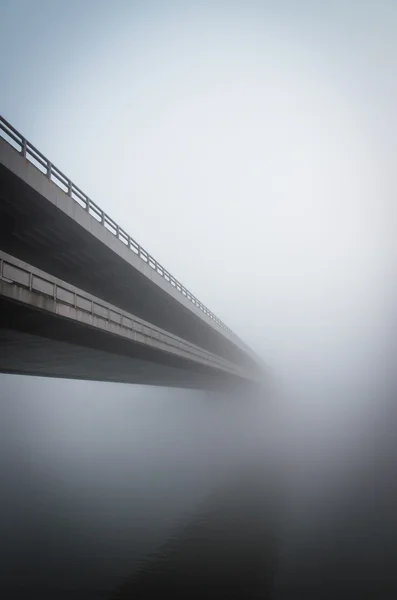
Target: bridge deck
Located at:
point(118, 300)
point(47, 221)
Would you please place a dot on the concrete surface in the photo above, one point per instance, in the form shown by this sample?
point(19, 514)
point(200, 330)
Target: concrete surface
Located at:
point(49, 327)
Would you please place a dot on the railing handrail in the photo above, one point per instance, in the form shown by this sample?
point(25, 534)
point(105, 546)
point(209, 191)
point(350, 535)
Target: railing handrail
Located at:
point(52, 172)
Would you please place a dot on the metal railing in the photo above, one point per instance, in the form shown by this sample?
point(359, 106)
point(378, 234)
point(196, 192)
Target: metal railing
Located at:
point(37, 159)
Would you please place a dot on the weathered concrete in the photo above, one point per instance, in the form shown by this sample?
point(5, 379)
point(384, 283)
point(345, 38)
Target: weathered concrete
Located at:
point(49, 327)
point(46, 227)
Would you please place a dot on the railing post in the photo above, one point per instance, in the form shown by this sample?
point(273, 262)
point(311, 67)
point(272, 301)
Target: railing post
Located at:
point(23, 148)
point(69, 188)
point(49, 169)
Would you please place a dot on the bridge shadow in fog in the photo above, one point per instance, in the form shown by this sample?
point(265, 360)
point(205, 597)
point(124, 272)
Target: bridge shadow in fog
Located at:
point(227, 551)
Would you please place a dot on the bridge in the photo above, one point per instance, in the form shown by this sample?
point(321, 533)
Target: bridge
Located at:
point(80, 298)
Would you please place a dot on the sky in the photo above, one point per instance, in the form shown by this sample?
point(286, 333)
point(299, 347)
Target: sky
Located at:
point(250, 148)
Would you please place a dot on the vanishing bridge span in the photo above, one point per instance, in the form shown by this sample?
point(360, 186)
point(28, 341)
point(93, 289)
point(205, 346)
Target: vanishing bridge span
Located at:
point(80, 298)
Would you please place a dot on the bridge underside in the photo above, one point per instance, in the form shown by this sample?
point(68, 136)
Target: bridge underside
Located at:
point(26, 354)
point(50, 328)
point(44, 345)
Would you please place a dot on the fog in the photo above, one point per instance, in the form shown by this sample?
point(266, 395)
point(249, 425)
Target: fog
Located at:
point(250, 147)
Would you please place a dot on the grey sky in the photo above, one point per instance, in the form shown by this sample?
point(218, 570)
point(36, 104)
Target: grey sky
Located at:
point(248, 148)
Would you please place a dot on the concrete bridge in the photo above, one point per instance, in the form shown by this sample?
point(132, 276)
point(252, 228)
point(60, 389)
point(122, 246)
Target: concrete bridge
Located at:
point(80, 298)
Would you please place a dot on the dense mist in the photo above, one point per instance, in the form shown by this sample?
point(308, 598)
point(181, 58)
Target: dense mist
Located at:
point(250, 148)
